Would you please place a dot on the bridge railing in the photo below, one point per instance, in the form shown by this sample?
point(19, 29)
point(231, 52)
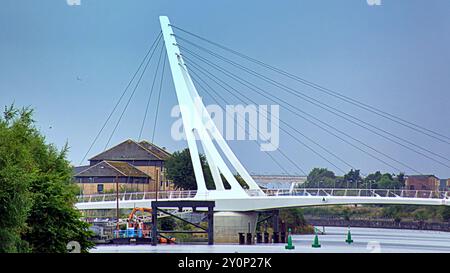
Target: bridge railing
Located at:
point(359, 192)
point(270, 192)
point(136, 196)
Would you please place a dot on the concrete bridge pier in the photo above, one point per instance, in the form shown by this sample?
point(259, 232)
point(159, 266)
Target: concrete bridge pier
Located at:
point(228, 225)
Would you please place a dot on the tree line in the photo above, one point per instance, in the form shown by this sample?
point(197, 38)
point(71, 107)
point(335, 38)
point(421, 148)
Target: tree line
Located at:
point(324, 178)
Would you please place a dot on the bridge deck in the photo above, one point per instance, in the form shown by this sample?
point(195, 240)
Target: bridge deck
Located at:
point(272, 198)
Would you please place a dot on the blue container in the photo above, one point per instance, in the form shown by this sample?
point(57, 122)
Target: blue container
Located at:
point(130, 232)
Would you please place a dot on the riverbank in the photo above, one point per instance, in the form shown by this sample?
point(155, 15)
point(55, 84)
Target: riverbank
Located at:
point(380, 216)
point(381, 223)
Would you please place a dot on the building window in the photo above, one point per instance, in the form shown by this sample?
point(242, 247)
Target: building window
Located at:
point(411, 187)
point(100, 188)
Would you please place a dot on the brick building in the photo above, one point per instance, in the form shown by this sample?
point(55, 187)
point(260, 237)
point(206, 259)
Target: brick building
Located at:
point(422, 182)
point(130, 165)
point(445, 185)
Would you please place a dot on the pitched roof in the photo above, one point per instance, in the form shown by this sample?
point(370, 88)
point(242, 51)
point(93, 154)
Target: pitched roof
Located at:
point(131, 150)
point(422, 176)
point(78, 169)
point(160, 152)
point(112, 169)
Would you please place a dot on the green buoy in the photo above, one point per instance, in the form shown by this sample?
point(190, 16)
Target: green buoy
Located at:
point(349, 237)
point(316, 243)
point(289, 242)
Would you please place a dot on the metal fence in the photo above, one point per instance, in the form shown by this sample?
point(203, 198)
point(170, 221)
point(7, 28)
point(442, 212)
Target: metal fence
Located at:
point(359, 193)
point(269, 192)
point(136, 196)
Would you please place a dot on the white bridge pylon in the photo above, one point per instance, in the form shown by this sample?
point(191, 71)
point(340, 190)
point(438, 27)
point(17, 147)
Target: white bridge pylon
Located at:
point(198, 125)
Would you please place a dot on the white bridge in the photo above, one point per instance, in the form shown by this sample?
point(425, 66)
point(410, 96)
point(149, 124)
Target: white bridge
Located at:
point(273, 199)
point(199, 128)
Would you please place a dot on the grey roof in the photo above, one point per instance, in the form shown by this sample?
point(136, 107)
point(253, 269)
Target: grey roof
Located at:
point(131, 150)
point(112, 169)
point(159, 152)
point(79, 169)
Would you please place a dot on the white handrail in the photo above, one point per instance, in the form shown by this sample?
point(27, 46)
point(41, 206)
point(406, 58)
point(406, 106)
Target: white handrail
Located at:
point(337, 192)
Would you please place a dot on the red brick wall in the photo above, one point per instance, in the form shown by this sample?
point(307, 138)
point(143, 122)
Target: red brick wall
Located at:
point(418, 183)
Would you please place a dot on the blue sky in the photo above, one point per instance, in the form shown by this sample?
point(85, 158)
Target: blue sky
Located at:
point(394, 56)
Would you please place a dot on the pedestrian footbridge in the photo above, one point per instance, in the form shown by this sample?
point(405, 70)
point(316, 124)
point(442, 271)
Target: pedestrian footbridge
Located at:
point(270, 199)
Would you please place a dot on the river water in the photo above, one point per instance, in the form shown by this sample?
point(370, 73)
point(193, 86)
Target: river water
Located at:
point(366, 240)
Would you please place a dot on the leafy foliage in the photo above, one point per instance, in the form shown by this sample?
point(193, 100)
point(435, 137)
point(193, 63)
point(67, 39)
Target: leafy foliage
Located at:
point(293, 218)
point(370, 212)
point(179, 169)
point(384, 181)
point(353, 178)
point(321, 177)
point(167, 223)
point(16, 174)
point(324, 178)
point(36, 193)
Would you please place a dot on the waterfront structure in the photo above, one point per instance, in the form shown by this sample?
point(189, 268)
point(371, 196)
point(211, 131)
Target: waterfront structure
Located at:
point(130, 166)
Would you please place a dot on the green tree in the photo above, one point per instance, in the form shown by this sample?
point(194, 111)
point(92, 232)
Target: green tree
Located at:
point(179, 169)
point(167, 223)
point(41, 175)
point(293, 217)
point(401, 180)
point(371, 180)
point(353, 178)
point(386, 181)
point(445, 213)
point(240, 180)
point(53, 221)
point(17, 171)
point(320, 177)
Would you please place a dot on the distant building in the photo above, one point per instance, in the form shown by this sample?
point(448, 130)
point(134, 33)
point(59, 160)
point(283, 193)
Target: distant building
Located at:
point(278, 182)
point(422, 182)
point(444, 184)
point(130, 165)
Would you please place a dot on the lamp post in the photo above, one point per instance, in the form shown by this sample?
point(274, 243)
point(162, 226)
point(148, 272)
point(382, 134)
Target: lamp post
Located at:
point(117, 206)
point(157, 184)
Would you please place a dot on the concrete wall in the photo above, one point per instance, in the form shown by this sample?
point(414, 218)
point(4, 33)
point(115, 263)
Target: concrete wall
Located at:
point(227, 225)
